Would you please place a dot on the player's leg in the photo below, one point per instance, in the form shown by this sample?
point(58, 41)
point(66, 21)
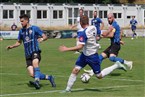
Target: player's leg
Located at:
point(102, 56)
point(72, 78)
point(110, 69)
point(80, 63)
point(38, 75)
point(113, 56)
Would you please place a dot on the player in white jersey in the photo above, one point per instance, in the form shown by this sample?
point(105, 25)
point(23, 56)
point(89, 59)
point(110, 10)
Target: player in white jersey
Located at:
point(79, 27)
point(87, 42)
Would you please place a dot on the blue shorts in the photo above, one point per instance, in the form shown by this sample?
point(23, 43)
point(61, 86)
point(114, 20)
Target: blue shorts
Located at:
point(93, 61)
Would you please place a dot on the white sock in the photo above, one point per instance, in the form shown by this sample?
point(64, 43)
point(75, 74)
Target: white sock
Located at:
point(108, 70)
point(71, 81)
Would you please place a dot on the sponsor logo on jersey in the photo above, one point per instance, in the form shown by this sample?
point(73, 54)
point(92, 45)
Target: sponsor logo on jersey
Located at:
point(81, 38)
point(30, 31)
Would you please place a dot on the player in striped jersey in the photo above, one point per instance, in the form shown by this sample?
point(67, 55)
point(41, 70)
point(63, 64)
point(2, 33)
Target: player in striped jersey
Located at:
point(31, 35)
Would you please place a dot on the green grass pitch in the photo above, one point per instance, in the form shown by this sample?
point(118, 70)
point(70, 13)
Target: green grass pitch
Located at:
point(14, 77)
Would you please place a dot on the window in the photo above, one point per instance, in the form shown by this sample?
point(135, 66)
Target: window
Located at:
point(103, 14)
point(41, 14)
point(11, 14)
point(57, 14)
point(8, 14)
point(100, 14)
point(28, 12)
point(86, 13)
point(54, 14)
point(91, 14)
point(5, 14)
point(44, 14)
point(69, 12)
point(70, 21)
point(117, 15)
point(128, 17)
point(38, 14)
point(60, 13)
point(76, 12)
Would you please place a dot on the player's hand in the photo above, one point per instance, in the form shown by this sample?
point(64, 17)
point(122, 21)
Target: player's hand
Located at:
point(122, 42)
point(40, 40)
point(62, 48)
point(9, 47)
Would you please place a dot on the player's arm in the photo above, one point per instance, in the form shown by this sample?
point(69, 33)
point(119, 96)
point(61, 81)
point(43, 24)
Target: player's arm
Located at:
point(43, 38)
point(75, 25)
point(75, 48)
point(109, 33)
point(102, 25)
point(121, 34)
point(18, 43)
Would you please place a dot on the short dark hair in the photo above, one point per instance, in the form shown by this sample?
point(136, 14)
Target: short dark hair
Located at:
point(81, 10)
point(25, 16)
point(84, 20)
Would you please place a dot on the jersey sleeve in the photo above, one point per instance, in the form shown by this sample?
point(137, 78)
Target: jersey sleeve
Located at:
point(20, 35)
point(82, 37)
point(100, 21)
point(38, 31)
point(92, 22)
point(135, 21)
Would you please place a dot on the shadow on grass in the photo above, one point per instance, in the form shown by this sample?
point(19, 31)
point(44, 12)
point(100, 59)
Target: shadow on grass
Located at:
point(96, 90)
point(115, 74)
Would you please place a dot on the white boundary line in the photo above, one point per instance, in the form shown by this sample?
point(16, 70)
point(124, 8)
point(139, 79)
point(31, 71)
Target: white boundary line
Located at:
point(59, 91)
point(121, 79)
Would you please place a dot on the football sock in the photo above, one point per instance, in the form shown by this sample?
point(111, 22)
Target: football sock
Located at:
point(71, 81)
point(37, 73)
point(108, 70)
point(42, 76)
point(115, 59)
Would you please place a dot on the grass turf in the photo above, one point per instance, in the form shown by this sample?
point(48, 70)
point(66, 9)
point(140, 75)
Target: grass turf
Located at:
point(14, 77)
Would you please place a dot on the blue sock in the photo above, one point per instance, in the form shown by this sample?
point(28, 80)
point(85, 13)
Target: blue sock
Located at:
point(101, 59)
point(37, 73)
point(42, 76)
point(115, 59)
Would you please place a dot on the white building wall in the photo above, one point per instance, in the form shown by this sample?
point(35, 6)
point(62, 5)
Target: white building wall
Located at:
point(126, 13)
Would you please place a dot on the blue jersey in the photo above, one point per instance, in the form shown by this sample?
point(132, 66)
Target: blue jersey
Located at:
point(116, 37)
point(29, 37)
point(96, 22)
point(133, 24)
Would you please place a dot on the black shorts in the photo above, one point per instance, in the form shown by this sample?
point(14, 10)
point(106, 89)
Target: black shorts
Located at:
point(35, 55)
point(112, 49)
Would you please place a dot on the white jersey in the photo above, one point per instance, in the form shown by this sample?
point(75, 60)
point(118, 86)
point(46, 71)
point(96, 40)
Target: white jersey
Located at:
point(88, 38)
point(79, 28)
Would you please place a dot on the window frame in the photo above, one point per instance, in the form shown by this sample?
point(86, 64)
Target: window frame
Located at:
point(8, 14)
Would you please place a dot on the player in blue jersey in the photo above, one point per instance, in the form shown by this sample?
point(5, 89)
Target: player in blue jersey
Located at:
point(89, 55)
point(133, 23)
point(96, 22)
point(31, 35)
point(112, 51)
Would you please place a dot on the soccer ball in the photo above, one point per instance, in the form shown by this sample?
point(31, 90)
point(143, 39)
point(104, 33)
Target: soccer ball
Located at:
point(85, 78)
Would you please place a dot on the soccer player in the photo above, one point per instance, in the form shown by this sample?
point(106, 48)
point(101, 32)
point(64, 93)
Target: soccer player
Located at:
point(31, 35)
point(87, 42)
point(112, 51)
point(96, 22)
point(133, 23)
point(79, 28)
